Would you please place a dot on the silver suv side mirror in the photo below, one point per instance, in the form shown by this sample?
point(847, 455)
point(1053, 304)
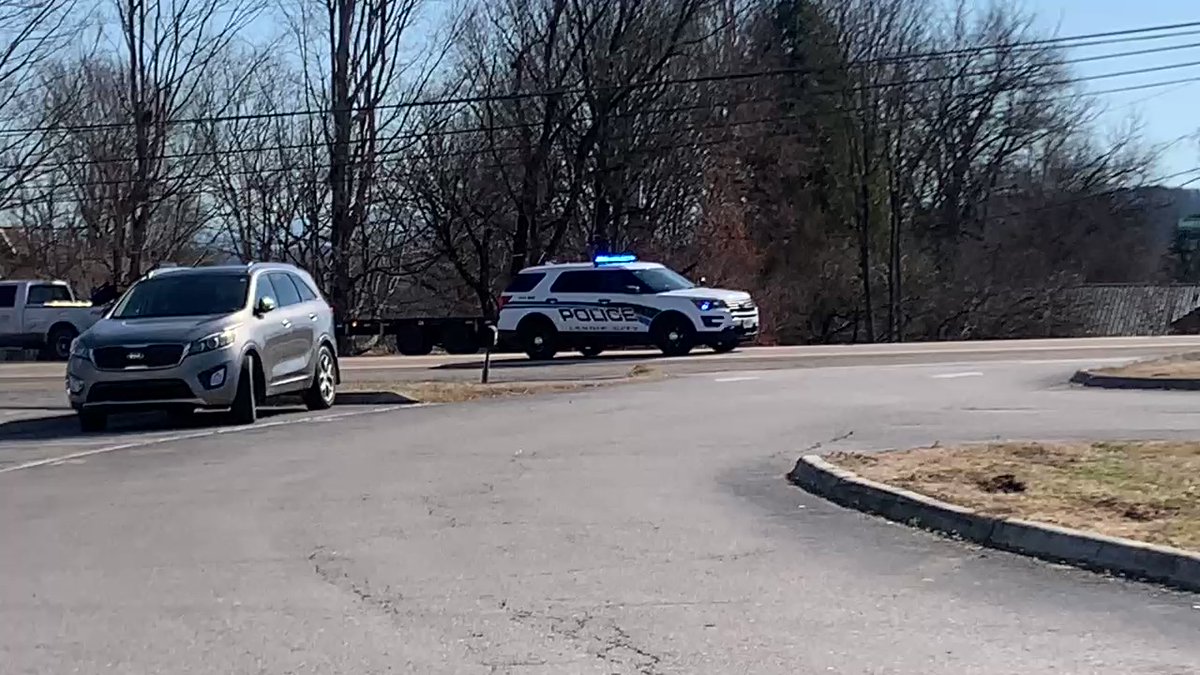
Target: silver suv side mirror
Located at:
point(265, 305)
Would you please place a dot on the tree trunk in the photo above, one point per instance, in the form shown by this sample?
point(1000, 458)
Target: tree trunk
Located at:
point(864, 235)
point(895, 333)
point(341, 21)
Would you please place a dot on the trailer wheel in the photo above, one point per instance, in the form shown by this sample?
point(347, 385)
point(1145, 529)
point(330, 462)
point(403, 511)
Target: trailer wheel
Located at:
point(459, 339)
point(413, 341)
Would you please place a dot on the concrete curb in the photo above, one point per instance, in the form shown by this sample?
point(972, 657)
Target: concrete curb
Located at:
point(1089, 379)
point(1148, 562)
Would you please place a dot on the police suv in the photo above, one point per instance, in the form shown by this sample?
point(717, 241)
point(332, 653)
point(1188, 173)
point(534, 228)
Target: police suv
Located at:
point(616, 301)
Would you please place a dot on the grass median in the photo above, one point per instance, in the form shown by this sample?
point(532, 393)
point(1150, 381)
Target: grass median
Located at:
point(1169, 367)
point(1143, 490)
point(440, 391)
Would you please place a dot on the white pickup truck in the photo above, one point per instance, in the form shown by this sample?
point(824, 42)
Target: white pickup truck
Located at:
point(43, 315)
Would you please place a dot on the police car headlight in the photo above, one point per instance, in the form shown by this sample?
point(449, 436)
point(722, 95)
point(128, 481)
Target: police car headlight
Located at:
point(704, 305)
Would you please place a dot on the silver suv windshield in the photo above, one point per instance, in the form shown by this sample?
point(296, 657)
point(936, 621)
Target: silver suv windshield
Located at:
point(662, 280)
point(184, 295)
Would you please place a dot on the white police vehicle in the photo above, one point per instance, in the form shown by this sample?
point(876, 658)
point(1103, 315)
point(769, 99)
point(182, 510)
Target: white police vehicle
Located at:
point(617, 301)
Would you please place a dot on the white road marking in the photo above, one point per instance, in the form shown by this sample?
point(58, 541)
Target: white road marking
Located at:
point(1124, 359)
point(931, 365)
point(816, 353)
point(736, 379)
point(141, 443)
point(955, 376)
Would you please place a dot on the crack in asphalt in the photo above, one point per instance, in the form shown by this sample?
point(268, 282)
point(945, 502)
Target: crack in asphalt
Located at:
point(333, 569)
point(601, 636)
point(836, 439)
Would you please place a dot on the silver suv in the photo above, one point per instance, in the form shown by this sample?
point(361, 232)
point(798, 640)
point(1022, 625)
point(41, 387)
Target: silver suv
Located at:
point(185, 338)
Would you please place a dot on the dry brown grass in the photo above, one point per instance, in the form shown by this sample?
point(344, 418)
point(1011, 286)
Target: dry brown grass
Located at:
point(1145, 490)
point(461, 392)
point(1178, 366)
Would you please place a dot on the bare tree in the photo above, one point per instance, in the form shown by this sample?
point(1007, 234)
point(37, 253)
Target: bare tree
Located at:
point(32, 33)
point(169, 50)
point(365, 67)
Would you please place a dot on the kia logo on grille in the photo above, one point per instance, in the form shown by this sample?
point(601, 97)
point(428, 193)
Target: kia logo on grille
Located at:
point(135, 356)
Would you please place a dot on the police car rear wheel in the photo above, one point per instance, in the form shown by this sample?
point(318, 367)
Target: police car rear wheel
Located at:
point(674, 336)
point(540, 339)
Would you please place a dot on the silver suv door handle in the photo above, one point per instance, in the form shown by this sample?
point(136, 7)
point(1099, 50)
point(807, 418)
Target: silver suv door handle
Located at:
point(313, 316)
point(286, 323)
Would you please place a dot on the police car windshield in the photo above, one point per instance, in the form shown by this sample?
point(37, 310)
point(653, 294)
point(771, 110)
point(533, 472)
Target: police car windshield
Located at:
point(662, 280)
point(184, 295)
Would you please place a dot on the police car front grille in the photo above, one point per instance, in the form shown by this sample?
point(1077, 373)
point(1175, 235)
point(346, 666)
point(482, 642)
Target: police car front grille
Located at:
point(745, 309)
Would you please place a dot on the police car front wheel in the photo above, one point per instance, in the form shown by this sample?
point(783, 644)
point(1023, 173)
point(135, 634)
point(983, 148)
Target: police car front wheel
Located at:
point(725, 346)
point(674, 335)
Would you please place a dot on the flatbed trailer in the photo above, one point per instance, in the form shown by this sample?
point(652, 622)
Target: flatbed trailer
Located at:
point(417, 336)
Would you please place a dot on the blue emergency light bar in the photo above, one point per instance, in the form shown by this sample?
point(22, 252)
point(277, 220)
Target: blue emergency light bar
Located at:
point(614, 258)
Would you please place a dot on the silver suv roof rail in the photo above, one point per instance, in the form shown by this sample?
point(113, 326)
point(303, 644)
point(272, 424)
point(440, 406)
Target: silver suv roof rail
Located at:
point(164, 268)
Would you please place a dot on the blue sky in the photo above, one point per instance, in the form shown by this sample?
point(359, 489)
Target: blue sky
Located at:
point(1165, 113)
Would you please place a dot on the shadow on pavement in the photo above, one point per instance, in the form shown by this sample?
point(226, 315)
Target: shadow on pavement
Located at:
point(372, 398)
point(61, 425)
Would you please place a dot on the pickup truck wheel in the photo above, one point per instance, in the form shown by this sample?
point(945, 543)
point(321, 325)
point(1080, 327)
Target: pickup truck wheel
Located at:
point(58, 343)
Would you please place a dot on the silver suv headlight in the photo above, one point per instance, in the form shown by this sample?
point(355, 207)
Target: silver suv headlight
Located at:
point(79, 351)
point(212, 343)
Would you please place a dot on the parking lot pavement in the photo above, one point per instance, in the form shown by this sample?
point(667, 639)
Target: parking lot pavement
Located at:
point(30, 400)
point(642, 529)
point(36, 423)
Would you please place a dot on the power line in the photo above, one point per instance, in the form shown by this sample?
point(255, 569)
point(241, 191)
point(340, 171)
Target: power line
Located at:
point(273, 174)
point(1110, 37)
point(701, 106)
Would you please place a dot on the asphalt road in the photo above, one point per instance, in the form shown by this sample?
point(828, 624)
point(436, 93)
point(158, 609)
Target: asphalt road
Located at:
point(610, 364)
point(640, 529)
